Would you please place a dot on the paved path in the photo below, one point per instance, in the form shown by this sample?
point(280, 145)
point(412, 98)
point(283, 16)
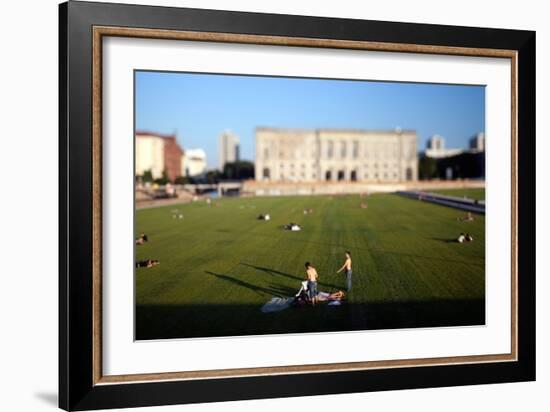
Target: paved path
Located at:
point(462, 203)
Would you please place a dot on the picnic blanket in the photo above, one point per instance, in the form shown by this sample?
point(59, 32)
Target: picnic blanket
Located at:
point(277, 304)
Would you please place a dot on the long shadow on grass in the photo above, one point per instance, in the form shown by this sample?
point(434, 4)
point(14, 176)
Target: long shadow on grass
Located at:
point(212, 320)
point(273, 290)
point(287, 275)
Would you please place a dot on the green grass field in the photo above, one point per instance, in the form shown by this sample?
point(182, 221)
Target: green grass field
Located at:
point(476, 194)
point(219, 265)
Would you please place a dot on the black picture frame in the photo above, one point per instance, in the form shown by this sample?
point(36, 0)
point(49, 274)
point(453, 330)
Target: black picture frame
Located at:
point(77, 390)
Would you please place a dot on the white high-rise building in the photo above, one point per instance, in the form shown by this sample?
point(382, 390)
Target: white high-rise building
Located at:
point(436, 148)
point(477, 143)
point(194, 162)
point(229, 148)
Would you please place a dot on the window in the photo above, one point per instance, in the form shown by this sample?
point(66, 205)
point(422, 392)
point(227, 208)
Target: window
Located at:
point(341, 175)
point(355, 149)
point(330, 150)
point(266, 153)
point(328, 175)
point(343, 150)
point(353, 176)
point(265, 173)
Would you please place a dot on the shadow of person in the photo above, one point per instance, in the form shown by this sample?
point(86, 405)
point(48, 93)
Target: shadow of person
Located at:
point(274, 272)
point(444, 240)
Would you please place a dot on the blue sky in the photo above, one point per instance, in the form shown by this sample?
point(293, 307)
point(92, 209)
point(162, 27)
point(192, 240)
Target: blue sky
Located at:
point(198, 107)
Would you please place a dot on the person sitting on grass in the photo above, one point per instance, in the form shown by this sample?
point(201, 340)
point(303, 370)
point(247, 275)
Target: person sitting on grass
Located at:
point(467, 218)
point(461, 238)
point(469, 238)
point(148, 263)
point(141, 239)
point(312, 277)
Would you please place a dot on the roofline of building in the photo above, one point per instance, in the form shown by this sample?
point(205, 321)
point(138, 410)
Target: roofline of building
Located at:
point(337, 130)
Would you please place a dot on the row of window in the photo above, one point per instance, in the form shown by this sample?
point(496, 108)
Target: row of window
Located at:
point(366, 166)
point(343, 153)
point(339, 175)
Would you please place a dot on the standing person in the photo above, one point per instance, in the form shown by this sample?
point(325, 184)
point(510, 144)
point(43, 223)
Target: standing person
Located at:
point(347, 270)
point(312, 277)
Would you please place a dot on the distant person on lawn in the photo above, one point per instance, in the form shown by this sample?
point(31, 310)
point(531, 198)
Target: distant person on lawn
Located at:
point(142, 239)
point(347, 270)
point(312, 276)
point(148, 263)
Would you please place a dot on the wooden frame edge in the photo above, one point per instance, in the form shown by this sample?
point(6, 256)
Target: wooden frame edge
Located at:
point(97, 135)
point(98, 32)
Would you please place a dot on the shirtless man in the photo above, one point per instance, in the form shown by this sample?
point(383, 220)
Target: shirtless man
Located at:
point(312, 276)
point(347, 269)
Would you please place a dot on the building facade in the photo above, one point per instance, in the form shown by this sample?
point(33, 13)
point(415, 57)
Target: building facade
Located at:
point(438, 162)
point(297, 155)
point(158, 153)
point(435, 148)
point(477, 143)
point(228, 149)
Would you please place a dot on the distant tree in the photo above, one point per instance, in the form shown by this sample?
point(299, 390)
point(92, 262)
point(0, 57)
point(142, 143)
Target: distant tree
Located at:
point(239, 170)
point(427, 168)
point(164, 179)
point(147, 176)
point(181, 180)
point(213, 176)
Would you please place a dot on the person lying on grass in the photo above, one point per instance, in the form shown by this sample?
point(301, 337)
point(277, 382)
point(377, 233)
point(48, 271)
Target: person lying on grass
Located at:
point(141, 239)
point(325, 296)
point(467, 218)
point(148, 263)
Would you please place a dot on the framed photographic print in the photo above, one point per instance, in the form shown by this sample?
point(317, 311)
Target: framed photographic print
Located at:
point(257, 205)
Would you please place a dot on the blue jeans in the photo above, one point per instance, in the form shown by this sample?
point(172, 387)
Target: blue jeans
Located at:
point(348, 279)
point(312, 288)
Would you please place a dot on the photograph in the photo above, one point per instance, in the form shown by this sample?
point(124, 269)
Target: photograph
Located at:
point(288, 205)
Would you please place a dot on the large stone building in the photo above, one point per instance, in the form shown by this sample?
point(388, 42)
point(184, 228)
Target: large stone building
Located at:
point(335, 155)
point(228, 149)
point(158, 153)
